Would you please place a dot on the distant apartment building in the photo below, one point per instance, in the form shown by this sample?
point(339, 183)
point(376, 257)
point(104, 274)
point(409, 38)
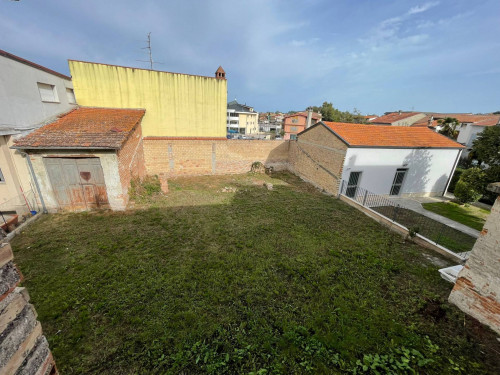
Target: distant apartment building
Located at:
point(271, 122)
point(241, 119)
point(297, 122)
point(31, 95)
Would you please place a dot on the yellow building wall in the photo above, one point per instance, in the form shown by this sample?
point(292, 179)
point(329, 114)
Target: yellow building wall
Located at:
point(249, 122)
point(177, 105)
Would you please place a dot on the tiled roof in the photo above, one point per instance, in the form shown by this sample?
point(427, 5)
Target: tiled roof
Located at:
point(314, 115)
point(84, 127)
point(32, 64)
point(490, 121)
point(393, 117)
point(361, 135)
point(468, 118)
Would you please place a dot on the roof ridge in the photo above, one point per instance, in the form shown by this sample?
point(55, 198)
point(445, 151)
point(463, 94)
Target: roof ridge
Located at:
point(32, 64)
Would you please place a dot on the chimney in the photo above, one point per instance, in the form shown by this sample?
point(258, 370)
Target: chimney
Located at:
point(220, 73)
point(399, 112)
point(431, 119)
point(309, 117)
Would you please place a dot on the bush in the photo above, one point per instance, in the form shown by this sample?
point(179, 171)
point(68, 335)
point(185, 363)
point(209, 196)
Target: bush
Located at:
point(471, 185)
point(454, 179)
point(147, 187)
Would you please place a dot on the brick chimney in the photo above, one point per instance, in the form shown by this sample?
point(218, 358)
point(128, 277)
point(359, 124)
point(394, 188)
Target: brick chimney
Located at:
point(309, 117)
point(220, 73)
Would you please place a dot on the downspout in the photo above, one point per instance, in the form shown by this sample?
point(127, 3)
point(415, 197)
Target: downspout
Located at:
point(452, 172)
point(33, 175)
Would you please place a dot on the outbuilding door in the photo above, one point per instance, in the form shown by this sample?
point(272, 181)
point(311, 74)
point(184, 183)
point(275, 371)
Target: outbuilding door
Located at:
point(78, 183)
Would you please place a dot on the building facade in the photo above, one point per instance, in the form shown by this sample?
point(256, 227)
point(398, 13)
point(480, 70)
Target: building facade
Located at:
point(295, 123)
point(399, 118)
point(241, 119)
point(31, 95)
point(385, 160)
point(177, 105)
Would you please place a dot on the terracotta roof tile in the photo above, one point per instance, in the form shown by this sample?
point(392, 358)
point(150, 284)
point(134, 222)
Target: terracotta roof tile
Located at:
point(85, 128)
point(314, 115)
point(393, 117)
point(390, 136)
point(469, 118)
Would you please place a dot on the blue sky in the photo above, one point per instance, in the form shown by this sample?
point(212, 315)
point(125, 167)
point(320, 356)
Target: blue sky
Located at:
point(377, 56)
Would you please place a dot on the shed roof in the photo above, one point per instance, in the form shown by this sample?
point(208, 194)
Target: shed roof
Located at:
point(386, 136)
point(85, 127)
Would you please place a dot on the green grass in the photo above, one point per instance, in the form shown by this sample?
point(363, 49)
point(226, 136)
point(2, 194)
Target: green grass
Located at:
point(440, 233)
point(471, 216)
point(254, 281)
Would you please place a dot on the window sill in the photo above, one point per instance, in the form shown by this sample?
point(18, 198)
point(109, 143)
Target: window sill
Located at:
point(49, 101)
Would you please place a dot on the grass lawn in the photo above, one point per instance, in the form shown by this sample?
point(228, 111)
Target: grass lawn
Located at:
point(248, 281)
point(471, 216)
point(440, 233)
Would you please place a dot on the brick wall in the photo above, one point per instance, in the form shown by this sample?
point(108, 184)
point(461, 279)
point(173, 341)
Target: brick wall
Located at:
point(318, 157)
point(178, 157)
point(23, 348)
point(477, 290)
point(131, 160)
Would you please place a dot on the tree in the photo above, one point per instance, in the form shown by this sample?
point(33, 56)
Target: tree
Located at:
point(486, 147)
point(330, 113)
point(449, 127)
point(471, 185)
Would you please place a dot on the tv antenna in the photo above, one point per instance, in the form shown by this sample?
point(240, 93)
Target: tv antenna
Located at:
point(150, 53)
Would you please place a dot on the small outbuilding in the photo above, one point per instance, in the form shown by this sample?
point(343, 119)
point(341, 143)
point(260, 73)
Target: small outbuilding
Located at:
point(385, 160)
point(86, 158)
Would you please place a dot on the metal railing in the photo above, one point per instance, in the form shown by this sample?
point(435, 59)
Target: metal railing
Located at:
point(441, 234)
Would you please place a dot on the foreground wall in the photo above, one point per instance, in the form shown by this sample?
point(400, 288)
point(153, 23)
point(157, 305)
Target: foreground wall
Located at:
point(175, 157)
point(23, 348)
point(477, 290)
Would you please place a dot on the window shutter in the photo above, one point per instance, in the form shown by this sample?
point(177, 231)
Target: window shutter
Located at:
point(47, 92)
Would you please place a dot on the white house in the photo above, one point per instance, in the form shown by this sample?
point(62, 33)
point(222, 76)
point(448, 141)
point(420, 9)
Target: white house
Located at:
point(30, 95)
point(385, 160)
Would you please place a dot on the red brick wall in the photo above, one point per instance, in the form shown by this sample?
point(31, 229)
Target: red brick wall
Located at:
point(177, 157)
point(131, 160)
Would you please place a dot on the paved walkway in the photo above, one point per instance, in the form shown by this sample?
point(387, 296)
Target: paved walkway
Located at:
point(415, 204)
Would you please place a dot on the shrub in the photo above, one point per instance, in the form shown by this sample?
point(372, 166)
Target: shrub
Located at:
point(471, 185)
point(455, 178)
point(147, 187)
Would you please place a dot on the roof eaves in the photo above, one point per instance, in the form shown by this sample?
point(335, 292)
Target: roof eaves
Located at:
point(328, 128)
point(32, 64)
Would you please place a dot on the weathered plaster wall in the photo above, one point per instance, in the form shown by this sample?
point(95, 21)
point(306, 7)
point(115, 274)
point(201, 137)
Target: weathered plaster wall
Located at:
point(477, 290)
point(177, 105)
point(109, 163)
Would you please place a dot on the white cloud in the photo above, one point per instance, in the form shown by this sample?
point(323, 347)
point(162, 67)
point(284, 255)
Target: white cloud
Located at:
point(423, 7)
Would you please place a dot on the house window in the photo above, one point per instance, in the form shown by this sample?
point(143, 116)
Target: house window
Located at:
point(293, 128)
point(2, 179)
point(293, 137)
point(295, 120)
point(398, 181)
point(71, 96)
point(48, 92)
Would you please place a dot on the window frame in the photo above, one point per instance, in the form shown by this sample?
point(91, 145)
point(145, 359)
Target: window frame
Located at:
point(54, 91)
point(2, 177)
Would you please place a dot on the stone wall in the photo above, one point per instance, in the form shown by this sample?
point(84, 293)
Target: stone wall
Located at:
point(23, 348)
point(477, 290)
point(195, 157)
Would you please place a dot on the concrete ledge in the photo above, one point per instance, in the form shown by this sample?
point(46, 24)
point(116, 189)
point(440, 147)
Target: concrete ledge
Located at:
point(398, 228)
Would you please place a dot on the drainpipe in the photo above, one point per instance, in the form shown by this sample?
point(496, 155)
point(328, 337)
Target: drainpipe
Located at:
point(36, 181)
point(452, 172)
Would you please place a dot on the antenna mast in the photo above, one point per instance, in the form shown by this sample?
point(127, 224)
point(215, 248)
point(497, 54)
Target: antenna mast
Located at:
point(150, 52)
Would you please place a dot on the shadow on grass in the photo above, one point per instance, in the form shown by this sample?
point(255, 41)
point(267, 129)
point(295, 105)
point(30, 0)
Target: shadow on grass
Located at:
point(287, 280)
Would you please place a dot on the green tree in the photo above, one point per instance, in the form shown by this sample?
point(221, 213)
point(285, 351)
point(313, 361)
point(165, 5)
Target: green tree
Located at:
point(330, 113)
point(449, 127)
point(471, 185)
point(486, 147)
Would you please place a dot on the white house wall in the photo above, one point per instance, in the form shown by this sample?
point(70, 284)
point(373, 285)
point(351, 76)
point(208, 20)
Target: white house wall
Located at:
point(428, 169)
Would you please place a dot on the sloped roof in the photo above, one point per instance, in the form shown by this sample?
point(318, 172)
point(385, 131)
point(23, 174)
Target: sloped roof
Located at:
point(84, 127)
point(239, 107)
point(32, 64)
point(393, 117)
point(386, 136)
point(476, 120)
point(314, 115)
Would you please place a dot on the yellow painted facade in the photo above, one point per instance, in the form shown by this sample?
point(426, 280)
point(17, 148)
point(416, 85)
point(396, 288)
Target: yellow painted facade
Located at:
point(177, 105)
point(249, 121)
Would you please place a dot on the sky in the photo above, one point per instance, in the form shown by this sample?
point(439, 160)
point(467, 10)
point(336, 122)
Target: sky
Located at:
point(372, 55)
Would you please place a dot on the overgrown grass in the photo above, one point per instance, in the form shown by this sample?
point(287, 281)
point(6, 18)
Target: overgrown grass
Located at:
point(255, 281)
point(471, 216)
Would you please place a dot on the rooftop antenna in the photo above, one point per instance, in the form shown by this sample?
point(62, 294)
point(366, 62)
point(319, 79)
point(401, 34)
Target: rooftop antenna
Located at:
point(150, 52)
